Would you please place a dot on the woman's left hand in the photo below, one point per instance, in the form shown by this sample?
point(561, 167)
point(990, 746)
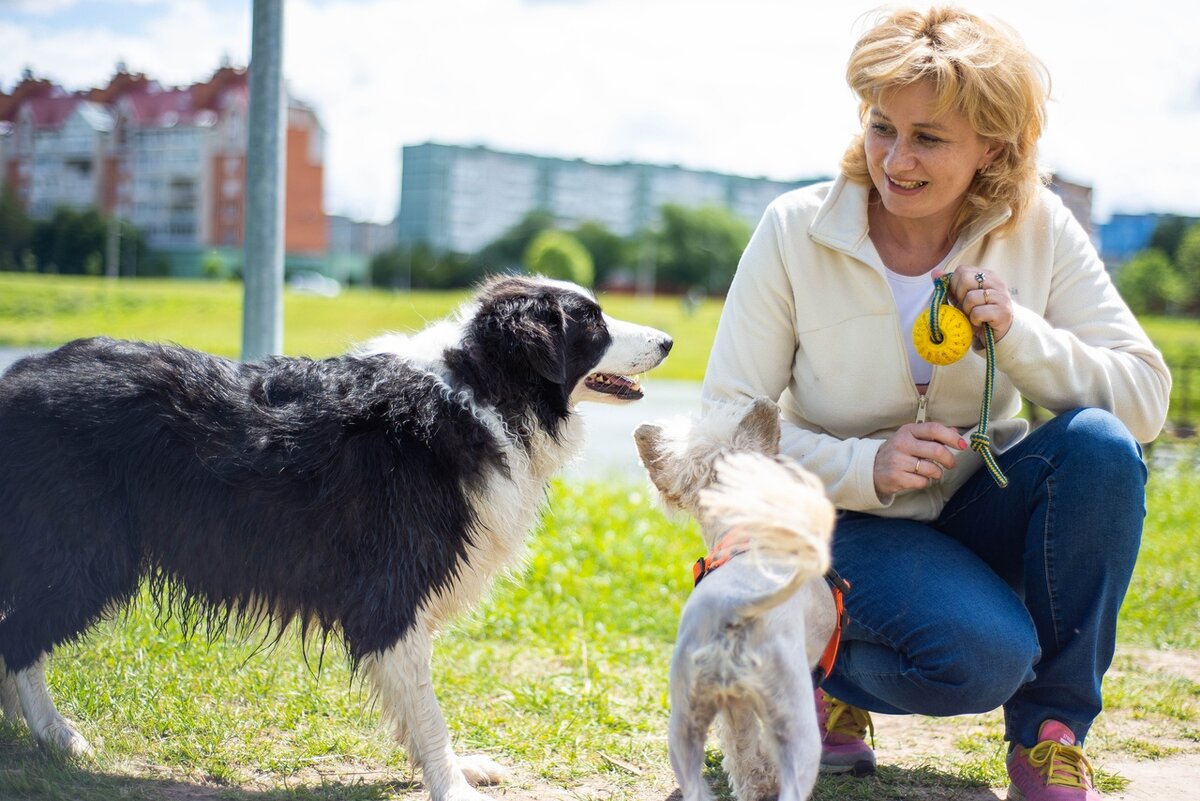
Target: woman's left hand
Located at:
point(983, 297)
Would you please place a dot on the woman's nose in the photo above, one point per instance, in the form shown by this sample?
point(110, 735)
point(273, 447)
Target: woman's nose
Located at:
point(900, 156)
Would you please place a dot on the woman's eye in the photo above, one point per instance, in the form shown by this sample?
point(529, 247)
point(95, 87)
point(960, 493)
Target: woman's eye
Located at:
point(880, 129)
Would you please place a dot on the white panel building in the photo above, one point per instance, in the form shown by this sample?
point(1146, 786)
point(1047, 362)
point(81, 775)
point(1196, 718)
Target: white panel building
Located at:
point(459, 199)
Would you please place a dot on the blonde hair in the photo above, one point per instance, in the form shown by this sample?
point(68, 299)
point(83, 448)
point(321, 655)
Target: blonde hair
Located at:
point(979, 69)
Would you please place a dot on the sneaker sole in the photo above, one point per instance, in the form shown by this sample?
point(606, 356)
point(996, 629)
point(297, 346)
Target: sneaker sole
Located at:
point(858, 770)
point(1014, 793)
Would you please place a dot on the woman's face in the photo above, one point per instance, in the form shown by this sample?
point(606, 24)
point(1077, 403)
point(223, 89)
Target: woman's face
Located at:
point(922, 164)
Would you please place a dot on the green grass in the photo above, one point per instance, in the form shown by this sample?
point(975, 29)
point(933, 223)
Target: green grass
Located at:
point(562, 674)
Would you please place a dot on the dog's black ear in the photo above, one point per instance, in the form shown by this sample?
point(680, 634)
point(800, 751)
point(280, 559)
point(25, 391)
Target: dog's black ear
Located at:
point(648, 437)
point(758, 429)
point(530, 328)
point(544, 338)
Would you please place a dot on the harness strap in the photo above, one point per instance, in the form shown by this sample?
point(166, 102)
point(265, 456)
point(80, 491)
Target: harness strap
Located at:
point(839, 587)
point(723, 550)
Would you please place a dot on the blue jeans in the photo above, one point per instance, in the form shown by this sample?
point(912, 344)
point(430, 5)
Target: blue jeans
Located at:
point(1010, 597)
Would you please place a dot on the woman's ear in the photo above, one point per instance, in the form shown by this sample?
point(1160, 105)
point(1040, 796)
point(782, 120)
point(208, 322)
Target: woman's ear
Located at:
point(994, 149)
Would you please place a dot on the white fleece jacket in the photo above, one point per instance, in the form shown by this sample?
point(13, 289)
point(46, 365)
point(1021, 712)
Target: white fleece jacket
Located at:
point(810, 321)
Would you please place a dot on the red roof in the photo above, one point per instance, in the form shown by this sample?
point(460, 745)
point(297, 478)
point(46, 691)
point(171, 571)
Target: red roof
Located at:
point(49, 113)
point(28, 88)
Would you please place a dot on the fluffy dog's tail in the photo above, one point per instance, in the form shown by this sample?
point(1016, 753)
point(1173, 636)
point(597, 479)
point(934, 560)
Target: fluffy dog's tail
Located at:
point(781, 511)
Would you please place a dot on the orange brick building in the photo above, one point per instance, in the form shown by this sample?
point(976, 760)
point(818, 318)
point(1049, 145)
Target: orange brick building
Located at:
point(171, 160)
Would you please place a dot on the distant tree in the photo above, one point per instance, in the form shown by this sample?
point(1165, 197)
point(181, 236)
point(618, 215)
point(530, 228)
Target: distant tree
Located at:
point(420, 267)
point(557, 254)
point(447, 270)
point(16, 231)
point(212, 265)
point(1187, 262)
point(699, 247)
point(75, 242)
point(506, 252)
point(65, 243)
point(1168, 235)
point(608, 250)
point(388, 269)
point(134, 256)
point(1150, 284)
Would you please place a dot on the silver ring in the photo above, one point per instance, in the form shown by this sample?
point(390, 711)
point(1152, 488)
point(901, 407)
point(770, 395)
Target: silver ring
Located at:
point(917, 467)
point(980, 277)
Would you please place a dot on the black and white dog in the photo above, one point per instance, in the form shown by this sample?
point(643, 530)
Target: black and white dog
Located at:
point(370, 496)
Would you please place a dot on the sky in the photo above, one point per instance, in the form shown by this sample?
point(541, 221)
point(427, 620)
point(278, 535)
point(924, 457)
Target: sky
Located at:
point(750, 87)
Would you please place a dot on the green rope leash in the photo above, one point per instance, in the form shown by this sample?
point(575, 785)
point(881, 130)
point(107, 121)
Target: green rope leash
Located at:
point(941, 288)
point(980, 442)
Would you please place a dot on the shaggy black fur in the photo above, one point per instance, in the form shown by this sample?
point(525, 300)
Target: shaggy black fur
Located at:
point(333, 491)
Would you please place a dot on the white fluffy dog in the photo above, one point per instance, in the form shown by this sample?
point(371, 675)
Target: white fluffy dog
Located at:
point(751, 631)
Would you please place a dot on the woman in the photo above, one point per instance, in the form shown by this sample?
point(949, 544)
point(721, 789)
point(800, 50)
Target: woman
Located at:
point(965, 595)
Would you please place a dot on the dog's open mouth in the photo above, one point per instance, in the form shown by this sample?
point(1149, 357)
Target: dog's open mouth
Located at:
point(616, 385)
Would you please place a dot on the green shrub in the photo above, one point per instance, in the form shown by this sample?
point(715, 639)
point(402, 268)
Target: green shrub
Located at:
point(556, 254)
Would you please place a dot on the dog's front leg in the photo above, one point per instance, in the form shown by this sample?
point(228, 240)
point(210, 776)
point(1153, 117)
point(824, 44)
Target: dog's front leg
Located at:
point(404, 686)
point(45, 723)
point(10, 702)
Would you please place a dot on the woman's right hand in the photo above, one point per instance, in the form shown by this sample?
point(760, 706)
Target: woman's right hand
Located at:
point(915, 455)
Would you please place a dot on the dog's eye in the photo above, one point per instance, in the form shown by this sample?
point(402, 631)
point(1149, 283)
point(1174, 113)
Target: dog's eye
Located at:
point(589, 316)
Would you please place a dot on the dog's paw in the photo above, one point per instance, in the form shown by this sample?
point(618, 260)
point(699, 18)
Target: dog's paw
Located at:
point(61, 738)
point(478, 769)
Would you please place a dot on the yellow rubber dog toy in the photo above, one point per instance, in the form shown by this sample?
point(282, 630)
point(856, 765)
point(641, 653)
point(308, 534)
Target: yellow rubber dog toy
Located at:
point(956, 336)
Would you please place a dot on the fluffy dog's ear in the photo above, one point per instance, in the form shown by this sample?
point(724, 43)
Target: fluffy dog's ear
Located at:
point(546, 346)
point(758, 429)
point(648, 437)
point(534, 330)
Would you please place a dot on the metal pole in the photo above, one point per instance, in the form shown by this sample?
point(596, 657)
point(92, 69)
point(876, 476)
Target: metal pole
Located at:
point(112, 249)
point(262, 308)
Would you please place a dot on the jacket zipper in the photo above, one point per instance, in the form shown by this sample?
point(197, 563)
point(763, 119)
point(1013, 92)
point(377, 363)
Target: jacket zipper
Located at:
point(922, 403)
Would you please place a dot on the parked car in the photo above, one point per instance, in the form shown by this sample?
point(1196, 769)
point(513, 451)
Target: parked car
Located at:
point(312, 282)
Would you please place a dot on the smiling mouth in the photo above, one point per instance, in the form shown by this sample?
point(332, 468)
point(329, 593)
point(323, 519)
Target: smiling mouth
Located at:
point(907, 184)
point(616, 385)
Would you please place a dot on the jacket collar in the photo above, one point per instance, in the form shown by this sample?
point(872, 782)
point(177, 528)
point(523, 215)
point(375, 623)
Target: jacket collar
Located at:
point(841, 222)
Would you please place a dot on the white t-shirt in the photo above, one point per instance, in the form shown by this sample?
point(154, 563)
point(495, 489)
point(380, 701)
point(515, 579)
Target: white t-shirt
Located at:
point(912, 294)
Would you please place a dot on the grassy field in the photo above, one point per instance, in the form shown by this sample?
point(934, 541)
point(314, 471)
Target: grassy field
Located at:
point(562, 676)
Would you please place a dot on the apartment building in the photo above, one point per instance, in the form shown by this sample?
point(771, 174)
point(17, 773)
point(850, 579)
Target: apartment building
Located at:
point(171, 160)
point(457, 198)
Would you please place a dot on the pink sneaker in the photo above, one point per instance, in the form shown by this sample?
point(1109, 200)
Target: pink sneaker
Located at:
point(1053, 770)
point(843, 737)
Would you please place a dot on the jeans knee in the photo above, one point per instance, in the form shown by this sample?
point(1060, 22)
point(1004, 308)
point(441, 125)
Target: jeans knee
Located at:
point(1100, 440)
point(989, 669)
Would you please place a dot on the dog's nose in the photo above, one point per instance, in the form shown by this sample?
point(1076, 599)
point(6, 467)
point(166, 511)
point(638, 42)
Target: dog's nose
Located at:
point(666, 345)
